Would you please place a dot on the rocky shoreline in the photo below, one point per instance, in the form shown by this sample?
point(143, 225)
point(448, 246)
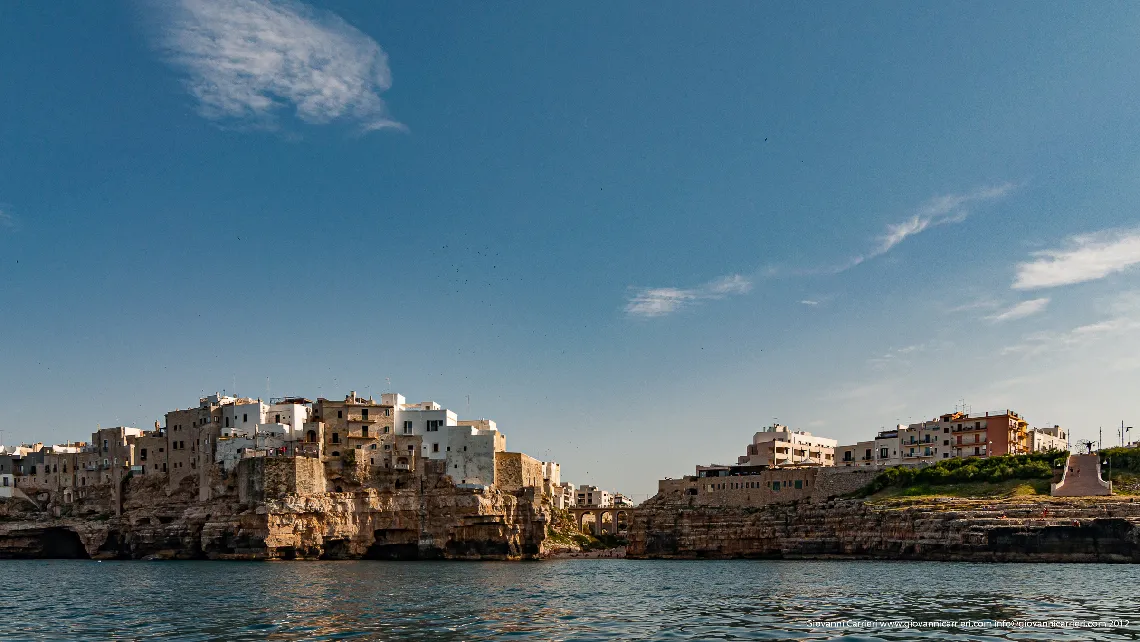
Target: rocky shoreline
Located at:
point(424, 517)
point(1030, 529)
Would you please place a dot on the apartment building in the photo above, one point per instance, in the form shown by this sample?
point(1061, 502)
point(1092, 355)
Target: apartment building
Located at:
point(778, 446)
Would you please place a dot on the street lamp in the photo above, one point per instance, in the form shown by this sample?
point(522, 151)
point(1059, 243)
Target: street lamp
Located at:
point(1108, 462)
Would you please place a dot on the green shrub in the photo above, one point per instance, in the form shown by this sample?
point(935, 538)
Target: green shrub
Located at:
point(991, 469)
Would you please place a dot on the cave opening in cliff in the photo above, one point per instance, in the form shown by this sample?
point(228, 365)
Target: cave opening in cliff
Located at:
point(394, 544)
point(62, 543)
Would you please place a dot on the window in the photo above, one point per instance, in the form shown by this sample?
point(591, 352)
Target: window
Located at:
point(276, 419)
point(364, 414)
point(435, 448)
point(336, 453)
point(364, 431)
point(407, 427)
point(799, 483)
point(387, 412)
point(434, 424)
point(385, 430)
point(245, 418)
point(227, 422)
point(339, 414)
point(336, 437)
point(776, 485)
point(142, 454)
point(372, 447)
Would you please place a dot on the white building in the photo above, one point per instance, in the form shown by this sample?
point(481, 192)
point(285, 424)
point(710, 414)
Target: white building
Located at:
point(230, 450)
point(470, 453)
point(1042, 439)
point(243, 418)
point(426, 419)
point(551, 473)
point(291, 414)
point(564, 496)
point(594, 496)
point(777, 446)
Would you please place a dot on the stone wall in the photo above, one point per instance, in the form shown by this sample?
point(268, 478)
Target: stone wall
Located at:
point(836, 482)
point(769, 487)
point(515, 471)
point(259, 478)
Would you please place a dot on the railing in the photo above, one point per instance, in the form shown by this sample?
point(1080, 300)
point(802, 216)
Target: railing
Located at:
point(402, 466)
point(967, 428)
point(363, 419)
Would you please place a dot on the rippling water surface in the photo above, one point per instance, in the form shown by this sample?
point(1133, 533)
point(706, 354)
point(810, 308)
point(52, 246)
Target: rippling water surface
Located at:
point(556, 600)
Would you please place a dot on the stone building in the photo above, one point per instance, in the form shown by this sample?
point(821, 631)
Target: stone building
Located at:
point(354, 423)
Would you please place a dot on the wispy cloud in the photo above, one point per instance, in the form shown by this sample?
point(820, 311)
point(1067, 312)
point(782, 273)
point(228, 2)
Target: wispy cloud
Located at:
point(1085, 257)
point(1021, 310)
point(7, 220)
point(940, 210)
point(247, 59)
point(1122, 322)
point(903, 357)
point(658, 302)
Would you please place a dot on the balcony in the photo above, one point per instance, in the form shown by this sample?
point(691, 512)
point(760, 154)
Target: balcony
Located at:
point(968, 428)
point(402, 466)
point(362, 419)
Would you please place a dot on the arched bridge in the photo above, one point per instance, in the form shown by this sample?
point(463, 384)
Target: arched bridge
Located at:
point(618, 517)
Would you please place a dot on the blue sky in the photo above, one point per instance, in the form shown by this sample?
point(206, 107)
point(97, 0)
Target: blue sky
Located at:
point(632, 237)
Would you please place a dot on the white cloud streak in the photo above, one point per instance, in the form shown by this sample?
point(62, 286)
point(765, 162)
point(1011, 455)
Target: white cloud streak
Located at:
point(7, 220)
point(246, 60)
point(1121, 323)
point(1086, 257)
point(1021, 310)
point(659, 302)
point(940, 210)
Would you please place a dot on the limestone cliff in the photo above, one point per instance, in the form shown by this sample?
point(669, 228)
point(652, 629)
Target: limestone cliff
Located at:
point(1102, 529)
point(281, 508)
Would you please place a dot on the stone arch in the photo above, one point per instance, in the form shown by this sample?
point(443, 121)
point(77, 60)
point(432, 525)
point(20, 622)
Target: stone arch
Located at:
point(621, 518)
point(602, 522)
point(311, 436)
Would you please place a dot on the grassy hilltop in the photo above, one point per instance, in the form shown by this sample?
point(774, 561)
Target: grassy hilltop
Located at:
point(1005, 476)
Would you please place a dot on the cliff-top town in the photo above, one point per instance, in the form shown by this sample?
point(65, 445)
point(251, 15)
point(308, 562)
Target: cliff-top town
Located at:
point(209, 440)
point(241, 478)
